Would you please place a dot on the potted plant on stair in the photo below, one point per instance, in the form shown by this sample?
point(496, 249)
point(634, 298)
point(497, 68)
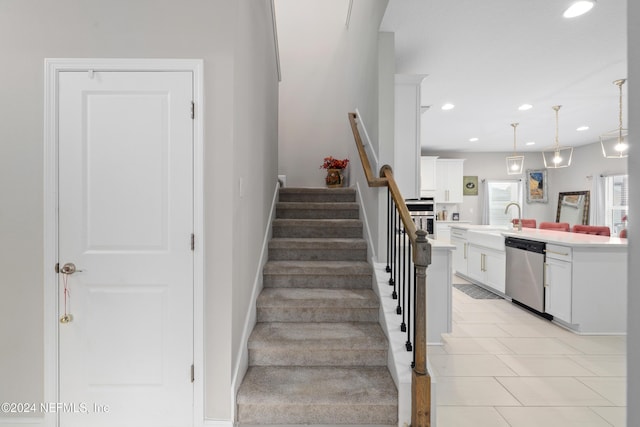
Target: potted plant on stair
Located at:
point(335, 171)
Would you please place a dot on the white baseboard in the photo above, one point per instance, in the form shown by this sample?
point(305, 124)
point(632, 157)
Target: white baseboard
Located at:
point(365, 221)
point(250, 320)
point(217, 423)
point(22, 421)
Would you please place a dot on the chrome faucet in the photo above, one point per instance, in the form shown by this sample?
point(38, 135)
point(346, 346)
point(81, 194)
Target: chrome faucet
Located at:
point(519, 213)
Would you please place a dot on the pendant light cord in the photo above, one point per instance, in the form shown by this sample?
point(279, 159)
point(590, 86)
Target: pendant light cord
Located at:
point(557, 108)
point(620, 83)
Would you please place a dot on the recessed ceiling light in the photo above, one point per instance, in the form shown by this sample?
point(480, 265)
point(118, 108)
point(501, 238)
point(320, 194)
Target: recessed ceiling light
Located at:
point(530, 143)
point(474, 139)
point(579, 8)
point(448, 106)
point(525, 107)
point(582, 128)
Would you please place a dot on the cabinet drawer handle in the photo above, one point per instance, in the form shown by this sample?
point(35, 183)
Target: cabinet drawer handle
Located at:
point(557, 253)
point(465, 251)
point(546, 284)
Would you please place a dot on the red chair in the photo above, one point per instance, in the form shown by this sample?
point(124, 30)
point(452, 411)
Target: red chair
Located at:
point(527, 223)
point(558, 226)
point(623, 233)
point(599, 230)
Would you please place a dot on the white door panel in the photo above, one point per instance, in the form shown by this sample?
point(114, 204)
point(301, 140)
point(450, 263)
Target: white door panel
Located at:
point(125, 220)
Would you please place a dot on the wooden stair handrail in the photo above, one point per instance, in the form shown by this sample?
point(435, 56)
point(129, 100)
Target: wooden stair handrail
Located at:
point(386, 179)
point(420, 378)
point(372, 180)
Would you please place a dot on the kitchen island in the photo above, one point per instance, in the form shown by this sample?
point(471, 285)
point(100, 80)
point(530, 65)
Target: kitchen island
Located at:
point(585, 276)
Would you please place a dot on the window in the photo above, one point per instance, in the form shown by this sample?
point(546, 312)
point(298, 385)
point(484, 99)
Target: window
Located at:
point(499, 194)
point(616, 193)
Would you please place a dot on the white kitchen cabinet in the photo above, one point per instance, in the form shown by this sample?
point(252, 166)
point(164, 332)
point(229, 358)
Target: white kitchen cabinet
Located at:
point(449, 174)
point(487, 266)
point(428, 176)
point(558, 282)
point(443, 232)
point(459, 239)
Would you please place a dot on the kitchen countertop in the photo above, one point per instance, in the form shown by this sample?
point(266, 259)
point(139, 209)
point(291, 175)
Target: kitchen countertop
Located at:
point(576, 240)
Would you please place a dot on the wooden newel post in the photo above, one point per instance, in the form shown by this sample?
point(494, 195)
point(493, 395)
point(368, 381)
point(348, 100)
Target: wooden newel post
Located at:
point(420, 379)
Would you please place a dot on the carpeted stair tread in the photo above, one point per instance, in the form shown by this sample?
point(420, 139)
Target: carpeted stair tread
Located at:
point(318, 274)
point(317, 305)
point(318, 267)
point(292, 194)
point(322, 222)
point(314, 249)
point(312, 298)
point(317, 242)
point(340, 228)
point(353, 335)
point(318, 344)
point(317, 395)
point(315, 210)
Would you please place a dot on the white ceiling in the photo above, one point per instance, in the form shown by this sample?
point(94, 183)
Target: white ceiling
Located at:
point(490, 56)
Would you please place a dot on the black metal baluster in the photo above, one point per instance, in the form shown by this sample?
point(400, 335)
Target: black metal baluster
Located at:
point(388, 269)
point(403, 297)
point(409, 318)
point(398, 232)
point(415, 283)
point(394, 250)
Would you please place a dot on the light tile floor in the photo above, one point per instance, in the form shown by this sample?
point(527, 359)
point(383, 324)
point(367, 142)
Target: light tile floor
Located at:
point(503, 366)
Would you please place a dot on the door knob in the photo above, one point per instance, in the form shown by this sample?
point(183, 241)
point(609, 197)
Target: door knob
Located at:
point(69, 268)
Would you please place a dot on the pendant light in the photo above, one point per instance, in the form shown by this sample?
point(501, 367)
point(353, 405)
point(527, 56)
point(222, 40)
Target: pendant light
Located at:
point(615, 144)
point(557, 156)
point(515, 163)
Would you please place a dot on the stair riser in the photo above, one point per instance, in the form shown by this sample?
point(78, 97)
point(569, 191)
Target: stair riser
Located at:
point(308, 281)
point(284, 414)
point(336, 254)
point(317, 213)
point(301, 231)
point(315, 314)
point(304, 357)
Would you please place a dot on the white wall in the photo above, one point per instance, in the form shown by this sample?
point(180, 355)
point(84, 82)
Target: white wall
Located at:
point(328, 70)
point(386, 124)
point(406, 165)
point(587, 161)
point(633, 337)
point(255, 160)
point(31, 30)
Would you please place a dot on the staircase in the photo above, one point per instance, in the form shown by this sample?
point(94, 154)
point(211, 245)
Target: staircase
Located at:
point(317, 355)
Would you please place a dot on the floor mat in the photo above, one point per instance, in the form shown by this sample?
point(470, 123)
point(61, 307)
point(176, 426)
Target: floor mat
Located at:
point(475, 291)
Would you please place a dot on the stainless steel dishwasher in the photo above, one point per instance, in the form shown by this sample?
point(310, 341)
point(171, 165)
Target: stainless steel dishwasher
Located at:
point(525, 272)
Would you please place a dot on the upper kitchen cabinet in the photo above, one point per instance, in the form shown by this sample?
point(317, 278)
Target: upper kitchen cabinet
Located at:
point(428, 176)
point(449, 174)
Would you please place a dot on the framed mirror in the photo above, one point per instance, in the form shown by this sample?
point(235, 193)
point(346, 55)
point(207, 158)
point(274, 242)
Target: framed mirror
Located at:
point(573, 207)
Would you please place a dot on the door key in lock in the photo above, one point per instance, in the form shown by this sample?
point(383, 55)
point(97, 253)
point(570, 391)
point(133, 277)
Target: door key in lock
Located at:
point(67, 269)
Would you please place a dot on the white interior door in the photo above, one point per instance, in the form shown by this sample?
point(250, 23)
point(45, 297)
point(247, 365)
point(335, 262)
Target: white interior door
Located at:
point(125, 220)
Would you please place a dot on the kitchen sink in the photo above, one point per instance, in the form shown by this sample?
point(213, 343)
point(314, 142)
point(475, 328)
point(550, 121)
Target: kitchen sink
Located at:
point(489, 238)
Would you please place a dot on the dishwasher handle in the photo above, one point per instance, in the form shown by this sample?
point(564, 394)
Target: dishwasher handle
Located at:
point(525, 245)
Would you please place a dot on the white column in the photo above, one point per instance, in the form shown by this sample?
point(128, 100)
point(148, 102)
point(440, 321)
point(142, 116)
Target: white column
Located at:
point(406, 165)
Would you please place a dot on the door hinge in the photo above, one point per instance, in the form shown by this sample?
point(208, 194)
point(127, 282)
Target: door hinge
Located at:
point(193, 110)
point(57, 267)
point(193, 242)
point(193, 374)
